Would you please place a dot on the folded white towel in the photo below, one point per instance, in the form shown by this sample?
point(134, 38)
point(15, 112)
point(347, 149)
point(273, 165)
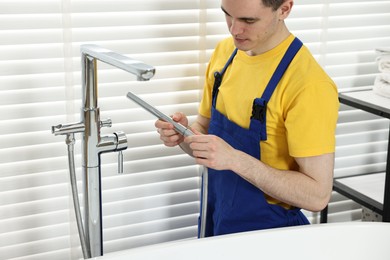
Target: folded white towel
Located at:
point(383, 62)
point(382, 85)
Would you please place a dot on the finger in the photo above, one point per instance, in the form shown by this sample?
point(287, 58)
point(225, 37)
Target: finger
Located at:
point(199, 138)
point(178, 116)
point(202, 161)
point(169, 141)
point(167, 132)
point(198, 147)
point(170, 136)
point(163, 125)
point(200, 154)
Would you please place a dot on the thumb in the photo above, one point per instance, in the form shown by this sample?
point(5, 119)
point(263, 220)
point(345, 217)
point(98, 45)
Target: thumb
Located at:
point(195, 131)
point(180, 117)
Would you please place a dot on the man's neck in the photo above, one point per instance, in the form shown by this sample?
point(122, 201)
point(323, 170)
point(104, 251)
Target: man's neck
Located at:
point(277, 39)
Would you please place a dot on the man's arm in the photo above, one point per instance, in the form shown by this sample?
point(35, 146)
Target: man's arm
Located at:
point(309, 188)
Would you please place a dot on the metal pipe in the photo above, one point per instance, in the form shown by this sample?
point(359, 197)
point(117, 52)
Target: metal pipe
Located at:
point(204, 197)
point(90, 157)
point(70, 140)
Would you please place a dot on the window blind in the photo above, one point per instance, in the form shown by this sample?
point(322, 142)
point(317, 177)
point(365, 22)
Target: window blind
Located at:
point(156, 199)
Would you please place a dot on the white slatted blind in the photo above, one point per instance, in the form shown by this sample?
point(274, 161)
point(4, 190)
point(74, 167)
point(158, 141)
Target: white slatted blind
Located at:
point(156, 200)
point(157, 197)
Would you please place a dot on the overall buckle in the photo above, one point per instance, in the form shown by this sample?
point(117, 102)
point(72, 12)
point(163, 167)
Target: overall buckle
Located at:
point(259, 110)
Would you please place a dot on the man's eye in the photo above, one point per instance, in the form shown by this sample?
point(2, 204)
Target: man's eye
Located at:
point(249, 21)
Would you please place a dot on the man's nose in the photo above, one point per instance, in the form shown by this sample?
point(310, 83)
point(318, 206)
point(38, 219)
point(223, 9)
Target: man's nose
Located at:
point(236, 27)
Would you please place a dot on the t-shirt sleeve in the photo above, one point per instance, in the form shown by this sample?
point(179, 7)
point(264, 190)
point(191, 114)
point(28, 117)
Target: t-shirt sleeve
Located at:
point(311, 121)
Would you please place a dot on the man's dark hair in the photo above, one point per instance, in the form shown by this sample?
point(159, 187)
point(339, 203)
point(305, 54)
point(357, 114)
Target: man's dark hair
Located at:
point(274, 4)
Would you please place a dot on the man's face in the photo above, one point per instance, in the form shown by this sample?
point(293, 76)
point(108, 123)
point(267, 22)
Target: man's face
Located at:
point(252, 25)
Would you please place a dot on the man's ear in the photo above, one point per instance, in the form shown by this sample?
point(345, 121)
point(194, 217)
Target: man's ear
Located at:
point(285, 9)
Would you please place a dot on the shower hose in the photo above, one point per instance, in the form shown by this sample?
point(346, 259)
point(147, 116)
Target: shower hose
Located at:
point(70, 141)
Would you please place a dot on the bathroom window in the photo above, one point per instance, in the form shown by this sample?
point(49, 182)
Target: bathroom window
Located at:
point(156, 199)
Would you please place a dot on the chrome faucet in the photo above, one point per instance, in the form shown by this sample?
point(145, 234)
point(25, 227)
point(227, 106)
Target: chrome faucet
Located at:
point(93, 143)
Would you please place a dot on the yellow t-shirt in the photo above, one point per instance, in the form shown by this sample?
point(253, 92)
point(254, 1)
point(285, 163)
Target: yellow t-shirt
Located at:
point(301, 114)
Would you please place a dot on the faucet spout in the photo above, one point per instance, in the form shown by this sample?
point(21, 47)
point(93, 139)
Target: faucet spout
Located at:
point(141, 70)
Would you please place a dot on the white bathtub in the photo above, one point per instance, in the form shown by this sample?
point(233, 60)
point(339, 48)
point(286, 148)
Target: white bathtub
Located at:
point(361, 240)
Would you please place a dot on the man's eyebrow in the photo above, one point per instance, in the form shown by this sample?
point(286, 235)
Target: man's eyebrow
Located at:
point(240, 18)
point(223, 10)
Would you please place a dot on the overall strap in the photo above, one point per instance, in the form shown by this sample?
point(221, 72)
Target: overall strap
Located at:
point(292, 50)
point(260, 104)
point(219, 75)
point(259, 108)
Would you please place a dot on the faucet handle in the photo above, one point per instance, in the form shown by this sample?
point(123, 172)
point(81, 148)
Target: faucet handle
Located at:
point(64, 129)
point(106, 123)
point(121, 145)
point(121, 140)
point(120, 162)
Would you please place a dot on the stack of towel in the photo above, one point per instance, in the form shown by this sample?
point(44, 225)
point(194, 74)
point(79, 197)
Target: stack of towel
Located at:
point(382, 81)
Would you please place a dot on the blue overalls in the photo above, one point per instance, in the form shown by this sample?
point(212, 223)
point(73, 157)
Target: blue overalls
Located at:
point(233, 204)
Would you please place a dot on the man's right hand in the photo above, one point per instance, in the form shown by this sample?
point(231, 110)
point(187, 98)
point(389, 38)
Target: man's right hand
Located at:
point(167, 131)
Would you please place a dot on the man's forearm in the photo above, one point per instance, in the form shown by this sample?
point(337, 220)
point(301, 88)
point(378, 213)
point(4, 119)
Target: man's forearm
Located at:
point(291, 187)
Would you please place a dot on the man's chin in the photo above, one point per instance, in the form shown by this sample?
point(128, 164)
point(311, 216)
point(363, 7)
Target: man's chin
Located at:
point(242, 45)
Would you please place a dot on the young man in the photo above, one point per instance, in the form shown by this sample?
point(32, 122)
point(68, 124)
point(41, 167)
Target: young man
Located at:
point(266, 124)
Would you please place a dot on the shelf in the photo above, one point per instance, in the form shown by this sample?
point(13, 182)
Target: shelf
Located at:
point(367, 189)
point(370, 190)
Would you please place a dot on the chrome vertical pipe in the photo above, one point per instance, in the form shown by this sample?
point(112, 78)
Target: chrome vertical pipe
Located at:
point(90, 157)
point(203, 204)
